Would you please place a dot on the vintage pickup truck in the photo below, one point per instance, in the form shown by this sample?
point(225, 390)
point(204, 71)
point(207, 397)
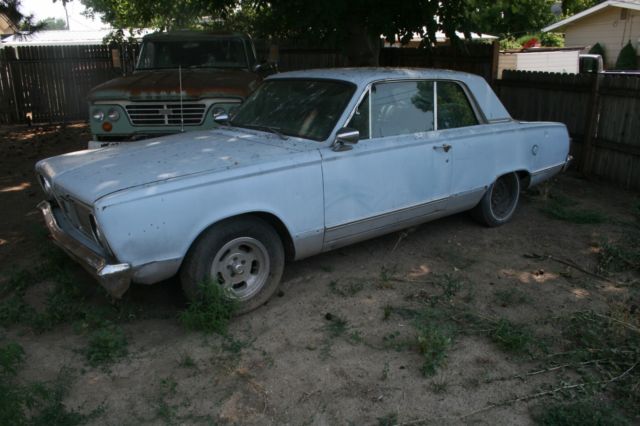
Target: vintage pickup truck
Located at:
point(311, 161)
point(182, 79)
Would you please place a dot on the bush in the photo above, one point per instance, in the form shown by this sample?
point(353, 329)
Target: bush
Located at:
point(597, 49)
point(628, 58)
point(552, 40)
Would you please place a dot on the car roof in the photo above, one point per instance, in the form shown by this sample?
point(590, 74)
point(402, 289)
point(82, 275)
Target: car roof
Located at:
point(365, 76)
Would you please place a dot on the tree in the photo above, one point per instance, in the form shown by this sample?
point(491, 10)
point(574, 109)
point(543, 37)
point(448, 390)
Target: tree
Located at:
point(53, 24)
point(66, 12)
point(354, 25)
point(628, 58)
point(571, 7)
point(22, 22)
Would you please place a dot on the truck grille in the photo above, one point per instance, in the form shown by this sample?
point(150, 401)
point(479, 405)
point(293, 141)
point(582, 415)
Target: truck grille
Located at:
point(165, 114)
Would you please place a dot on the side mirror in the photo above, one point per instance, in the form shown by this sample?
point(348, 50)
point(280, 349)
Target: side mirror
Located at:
point(346, 137)
point(222, 118)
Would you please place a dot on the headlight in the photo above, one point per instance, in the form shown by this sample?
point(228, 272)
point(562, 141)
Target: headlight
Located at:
point(46, 185)
point(113, 115)
point(98, 115)
point(217, 110)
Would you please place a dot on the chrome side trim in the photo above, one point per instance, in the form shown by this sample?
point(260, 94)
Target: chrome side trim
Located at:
point(115, 278)
point(363, 229)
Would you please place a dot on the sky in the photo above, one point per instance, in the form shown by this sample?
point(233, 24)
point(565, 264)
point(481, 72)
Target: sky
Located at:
point(42, 9)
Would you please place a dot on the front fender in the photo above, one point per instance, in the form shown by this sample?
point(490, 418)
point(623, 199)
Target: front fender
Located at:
point(159, 222)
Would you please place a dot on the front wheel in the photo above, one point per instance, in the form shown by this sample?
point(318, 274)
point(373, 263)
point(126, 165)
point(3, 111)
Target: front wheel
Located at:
point(243, 255)
point(499, 202)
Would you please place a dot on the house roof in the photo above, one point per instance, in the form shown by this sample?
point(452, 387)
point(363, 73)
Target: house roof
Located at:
point(624, 4)
point(58, 37)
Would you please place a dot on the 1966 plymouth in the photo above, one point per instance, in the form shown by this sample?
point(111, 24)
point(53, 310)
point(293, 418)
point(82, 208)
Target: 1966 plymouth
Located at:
point(313, 160)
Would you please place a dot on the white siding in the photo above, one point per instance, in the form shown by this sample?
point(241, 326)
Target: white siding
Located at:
point(605, 27)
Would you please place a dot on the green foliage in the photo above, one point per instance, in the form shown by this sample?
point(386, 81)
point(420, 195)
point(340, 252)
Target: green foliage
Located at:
point(509, 43)
point(107, 344)
point(598, 49)
point(628, 58)
point(50, 24)
point(212, 312)
point(433, 343)
point(552, 39)
point(571, 7)
point(11, 356)
point(38, 404)
point(622, 256)
point(511, 297)
point(563, 208)
point(579, 413)
point(390, 419)
point(511, 337)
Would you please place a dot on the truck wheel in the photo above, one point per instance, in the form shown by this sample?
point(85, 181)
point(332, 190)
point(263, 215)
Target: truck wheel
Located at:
point(243, 255)
point(499, 202)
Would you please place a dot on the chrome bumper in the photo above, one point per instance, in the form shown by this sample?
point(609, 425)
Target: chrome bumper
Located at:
point(115, 278)
point(567, 163)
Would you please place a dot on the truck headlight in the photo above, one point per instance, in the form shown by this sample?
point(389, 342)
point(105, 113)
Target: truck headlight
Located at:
point(98, 115)
point(113, 115)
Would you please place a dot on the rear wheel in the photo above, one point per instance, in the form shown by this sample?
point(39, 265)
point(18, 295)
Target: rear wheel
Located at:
point(243, 255)
point(499, 202)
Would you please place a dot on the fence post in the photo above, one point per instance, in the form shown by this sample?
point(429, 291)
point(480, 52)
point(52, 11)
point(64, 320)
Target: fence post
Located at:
point(495, 57)
point(591, 126)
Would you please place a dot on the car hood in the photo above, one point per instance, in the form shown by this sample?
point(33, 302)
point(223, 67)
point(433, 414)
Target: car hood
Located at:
point(92, 174)
point(165, 85)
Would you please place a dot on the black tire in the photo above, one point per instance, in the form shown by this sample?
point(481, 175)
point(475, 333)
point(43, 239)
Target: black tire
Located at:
point(255, 245)
point(499, 203)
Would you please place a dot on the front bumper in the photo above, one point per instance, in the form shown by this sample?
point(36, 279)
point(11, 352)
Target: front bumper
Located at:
point(115, 277)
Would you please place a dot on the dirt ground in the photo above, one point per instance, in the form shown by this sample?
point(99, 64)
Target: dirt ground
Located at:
point(340, 344)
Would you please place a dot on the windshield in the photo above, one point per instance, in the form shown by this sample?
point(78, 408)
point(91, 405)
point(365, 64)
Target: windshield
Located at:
point(302, 108)
point(222, 53)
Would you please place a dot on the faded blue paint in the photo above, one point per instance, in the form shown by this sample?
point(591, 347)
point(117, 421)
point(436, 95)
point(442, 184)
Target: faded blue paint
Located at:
point(153, 198)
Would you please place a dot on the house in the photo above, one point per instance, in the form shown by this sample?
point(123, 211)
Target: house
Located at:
point(612, 23)
point(7, 26)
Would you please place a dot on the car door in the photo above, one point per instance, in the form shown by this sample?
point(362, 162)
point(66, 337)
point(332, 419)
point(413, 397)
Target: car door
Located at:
point(398, 172)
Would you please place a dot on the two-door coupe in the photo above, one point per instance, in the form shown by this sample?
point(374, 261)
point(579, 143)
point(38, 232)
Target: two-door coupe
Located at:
point(312, 161)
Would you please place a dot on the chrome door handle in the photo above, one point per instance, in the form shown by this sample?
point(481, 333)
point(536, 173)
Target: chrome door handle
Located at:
point(444, 147)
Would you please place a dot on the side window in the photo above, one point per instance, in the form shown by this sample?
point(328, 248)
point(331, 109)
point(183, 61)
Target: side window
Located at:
point(401, 108)
point(454, 109)
point(360, 119)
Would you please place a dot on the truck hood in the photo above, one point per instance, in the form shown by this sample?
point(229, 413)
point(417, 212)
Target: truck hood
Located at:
point(92, 174)
point(165, 85)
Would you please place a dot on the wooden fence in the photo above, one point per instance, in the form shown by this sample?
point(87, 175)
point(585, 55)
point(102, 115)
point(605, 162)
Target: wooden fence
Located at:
point(602, 113)
point(50, 83)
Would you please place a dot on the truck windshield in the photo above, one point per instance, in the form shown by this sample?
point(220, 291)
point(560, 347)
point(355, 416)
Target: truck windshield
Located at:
point(302, 108)
point(222, 53)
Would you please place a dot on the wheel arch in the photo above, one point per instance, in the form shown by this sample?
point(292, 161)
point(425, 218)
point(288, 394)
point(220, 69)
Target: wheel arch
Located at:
point(525, 178)
point(271, 219)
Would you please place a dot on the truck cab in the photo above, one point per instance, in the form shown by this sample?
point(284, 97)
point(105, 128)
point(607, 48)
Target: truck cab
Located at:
point(181, 81)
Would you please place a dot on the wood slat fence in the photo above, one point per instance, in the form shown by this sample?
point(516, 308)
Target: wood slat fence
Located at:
point(51, 83)
point(602, 114)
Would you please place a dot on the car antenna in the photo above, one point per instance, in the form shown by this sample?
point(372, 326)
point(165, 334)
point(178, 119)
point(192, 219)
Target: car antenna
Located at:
point(181, 108)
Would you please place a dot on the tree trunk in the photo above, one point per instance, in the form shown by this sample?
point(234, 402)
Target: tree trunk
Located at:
point(362, 46)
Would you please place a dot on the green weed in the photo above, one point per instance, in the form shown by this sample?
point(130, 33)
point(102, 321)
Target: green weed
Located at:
point(433, 343)
point(623, 256)
point(350, 288)
point(212, 312)
point(187, 362)
point(579, 413)
point(511, 337)
point(107, 344)
point(510, 297)
point(35, 403)
point(563, 208)
point(389, 419)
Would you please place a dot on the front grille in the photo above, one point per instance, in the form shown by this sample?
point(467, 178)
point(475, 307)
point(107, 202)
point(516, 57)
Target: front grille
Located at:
point(142, 114)
point(76, 214)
